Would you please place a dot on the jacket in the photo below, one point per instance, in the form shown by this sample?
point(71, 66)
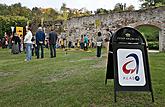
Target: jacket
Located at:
point(52, 37)
point(40, 37)
point(85, 39)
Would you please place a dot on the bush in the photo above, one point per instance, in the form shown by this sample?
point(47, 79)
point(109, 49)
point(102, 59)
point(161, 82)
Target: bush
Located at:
point(151, 33)
point(7, 21)
point(153, 45)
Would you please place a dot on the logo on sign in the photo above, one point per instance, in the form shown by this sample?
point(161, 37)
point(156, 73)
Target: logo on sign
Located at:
point(130, 67)
point(132, 70)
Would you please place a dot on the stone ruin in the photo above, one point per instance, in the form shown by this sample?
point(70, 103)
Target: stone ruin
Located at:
point(90, 25)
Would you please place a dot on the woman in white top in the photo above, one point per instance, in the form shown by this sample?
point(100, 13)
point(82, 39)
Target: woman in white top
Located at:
point(28, 44)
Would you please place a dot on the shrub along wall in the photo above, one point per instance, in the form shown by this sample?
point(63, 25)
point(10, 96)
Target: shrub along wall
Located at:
point(7, 21)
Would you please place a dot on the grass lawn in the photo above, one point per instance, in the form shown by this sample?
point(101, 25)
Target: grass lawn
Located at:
point(72, 80)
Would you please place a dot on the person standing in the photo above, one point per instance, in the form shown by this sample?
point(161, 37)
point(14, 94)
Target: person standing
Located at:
point(3, 42)
point(107, 39)
point(99, 44)
point(6, 40)
point(85, 42)
point(15, 44)
point(52, 43)
point(28, 44)
point(70, 41)
point(92, 42)
point(40, 40)
point(21, 43)
point(33, 46)
point(81, 42)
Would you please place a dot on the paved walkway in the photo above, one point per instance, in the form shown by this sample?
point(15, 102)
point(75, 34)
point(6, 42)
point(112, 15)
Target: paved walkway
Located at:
point(153, 51)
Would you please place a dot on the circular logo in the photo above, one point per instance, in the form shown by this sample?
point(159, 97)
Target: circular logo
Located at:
point(137, 78)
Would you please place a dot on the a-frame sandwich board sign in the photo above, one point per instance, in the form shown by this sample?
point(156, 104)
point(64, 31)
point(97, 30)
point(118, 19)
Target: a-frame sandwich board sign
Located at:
point(130, 62)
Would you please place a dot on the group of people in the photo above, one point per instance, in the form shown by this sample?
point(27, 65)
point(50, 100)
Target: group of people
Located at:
point(37, 42)
point(4, 41)
point(13, 42)
point(83, 42)
point(52, 42)
point(34, 44)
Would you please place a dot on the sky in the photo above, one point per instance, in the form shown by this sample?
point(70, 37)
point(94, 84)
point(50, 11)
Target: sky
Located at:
point(78, 4)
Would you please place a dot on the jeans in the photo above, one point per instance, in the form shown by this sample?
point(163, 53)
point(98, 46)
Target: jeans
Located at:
point(81, 45)
point(53, 50)
point(42, 50)
point(28, 51)
point(33, 50)
point(98, 51)
point(70, 44)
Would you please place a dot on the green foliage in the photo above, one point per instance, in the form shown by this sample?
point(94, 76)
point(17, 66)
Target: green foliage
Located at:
point(151, 34)
point(118, 7)
point(153, 45)
point(39, 13)
point(152, 3)
point(7, 21)
point(15, 10)
point(130, 8)
point(101, 11)
point(13, 15)
point(4, 9)
point(50, 13)
point(160, 4)
point(97, 23)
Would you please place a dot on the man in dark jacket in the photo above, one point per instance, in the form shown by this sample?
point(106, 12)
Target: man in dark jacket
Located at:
point(40, 40)
point(52, 42)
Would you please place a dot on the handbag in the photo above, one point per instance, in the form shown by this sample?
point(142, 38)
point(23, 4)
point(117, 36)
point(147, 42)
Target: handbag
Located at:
point(41, 42)
point(99, 43)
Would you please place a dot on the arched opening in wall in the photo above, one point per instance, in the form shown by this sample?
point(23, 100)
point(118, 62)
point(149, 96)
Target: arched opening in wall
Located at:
point(151, 34)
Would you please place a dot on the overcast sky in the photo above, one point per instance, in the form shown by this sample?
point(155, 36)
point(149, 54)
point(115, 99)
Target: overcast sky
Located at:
point(78, 4)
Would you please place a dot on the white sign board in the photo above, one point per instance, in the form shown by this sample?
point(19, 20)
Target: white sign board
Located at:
point(130, 67)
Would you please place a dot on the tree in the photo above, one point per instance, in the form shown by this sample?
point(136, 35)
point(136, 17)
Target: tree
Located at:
point(36, 11)
point(64, 12)
point(101, 11)
point(7, 22)
point(84, 12)
point(50, 13)
point(130, 8)
point(4, 9)
point(150, 3)
point(119, 7)
point(63, 7)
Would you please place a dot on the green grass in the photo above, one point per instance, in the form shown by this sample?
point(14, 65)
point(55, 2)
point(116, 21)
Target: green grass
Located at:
point(72, 80)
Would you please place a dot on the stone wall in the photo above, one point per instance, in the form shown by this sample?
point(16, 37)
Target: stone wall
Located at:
point(116, 20)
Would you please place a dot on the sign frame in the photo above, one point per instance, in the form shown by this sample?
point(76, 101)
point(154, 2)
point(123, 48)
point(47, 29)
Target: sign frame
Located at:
point(128, 38)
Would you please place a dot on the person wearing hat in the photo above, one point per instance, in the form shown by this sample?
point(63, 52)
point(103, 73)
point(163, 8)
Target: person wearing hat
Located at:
point(40, 40)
